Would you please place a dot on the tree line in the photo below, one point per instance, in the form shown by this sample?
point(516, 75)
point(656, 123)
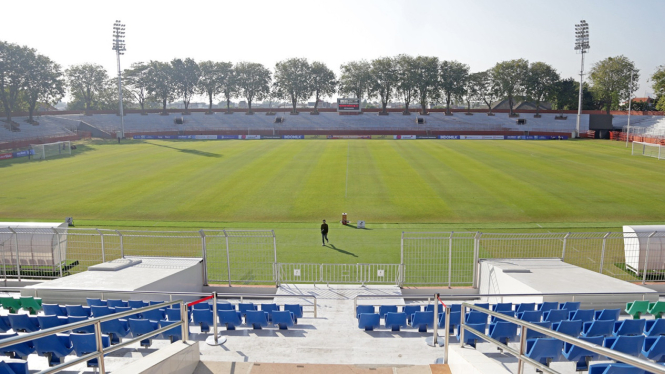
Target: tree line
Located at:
point(28, 78)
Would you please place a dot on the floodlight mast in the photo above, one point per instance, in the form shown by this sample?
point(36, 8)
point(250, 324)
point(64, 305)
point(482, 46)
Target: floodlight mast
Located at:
point(119, 48)
point(581, 46)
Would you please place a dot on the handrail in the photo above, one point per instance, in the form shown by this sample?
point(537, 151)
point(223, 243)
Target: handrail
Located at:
point(101, 351)
point(615, 355)
point(477, 296)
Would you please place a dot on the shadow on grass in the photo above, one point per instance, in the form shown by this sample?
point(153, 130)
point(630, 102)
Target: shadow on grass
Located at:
point(341, 250)
point(80, 149)
point(355, 227)
point(190, 151)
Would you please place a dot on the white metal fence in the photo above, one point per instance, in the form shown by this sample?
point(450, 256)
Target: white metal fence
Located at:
point(339, 273)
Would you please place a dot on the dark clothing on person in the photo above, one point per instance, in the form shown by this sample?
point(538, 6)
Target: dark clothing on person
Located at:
point(324, 233)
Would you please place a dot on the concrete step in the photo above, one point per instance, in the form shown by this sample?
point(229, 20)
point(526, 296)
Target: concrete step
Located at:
point(216, 367)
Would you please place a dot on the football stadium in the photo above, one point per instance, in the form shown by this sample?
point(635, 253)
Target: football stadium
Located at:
point(459, 235)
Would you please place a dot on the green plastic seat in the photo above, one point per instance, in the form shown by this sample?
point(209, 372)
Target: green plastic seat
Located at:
point(31, 304)
point(657, 309)
point(11, 304)
point(637, 308)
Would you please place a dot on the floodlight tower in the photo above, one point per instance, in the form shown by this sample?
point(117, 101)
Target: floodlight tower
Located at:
point(581, 46)
point(119, 48)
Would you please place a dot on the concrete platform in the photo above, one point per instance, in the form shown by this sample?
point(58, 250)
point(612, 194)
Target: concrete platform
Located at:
point(267, 368)
point(546, 276)
point(133, 273)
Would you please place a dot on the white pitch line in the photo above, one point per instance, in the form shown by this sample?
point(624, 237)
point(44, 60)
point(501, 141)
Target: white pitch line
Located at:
point(348, 148)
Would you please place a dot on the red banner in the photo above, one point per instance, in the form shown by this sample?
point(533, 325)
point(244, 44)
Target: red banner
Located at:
point(5, 156)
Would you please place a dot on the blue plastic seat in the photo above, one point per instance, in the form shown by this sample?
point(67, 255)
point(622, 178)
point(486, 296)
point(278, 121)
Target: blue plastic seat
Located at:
point(78, 310)
point(383, 309)
point(429, 308)
point(525, 307)
point(653, 348)
point(395, 321)
point(614, 369)
point(482, 305)
point(201, 306)
point(475, 317)
point(530, 316)
point(502, 307)
point(81, 330)
point(580, 355)
point(54, 347)
point(269, 308)
point(120, 309)
point(508, 313)
point(531, 334)
point(112, 303)
point(174, 314)
point(572, 328)
point(654, 327)
point(504, 332)
point(23, 323)
point(54, 310)
point(20, 350)
point(257, 318)
point(570, 305)
point(547, 306)
point(101, 311)
point(155, 314)
point(455, 320)
point(471, 338)
point(140, 327)
point(95, 302)
point(203, 318)
point(369, 321)
point(116, 329)
point(544, 350)
point(230, 318)
point(135, 304)
point(173, 334)
point(409, 310)
point(156, 302)
point(84, 344)
point(597, 328)
point(4, 324)
point(368, 309)
point(296, 309)
point(46, 322)
point(607, 314)
point(225, 306)
point(244, 307)
point(584, 315)
point(630, 345)
point(283, 319)
point(423, 320)
point(556, 315)
point(629, 327)
point(14, 367)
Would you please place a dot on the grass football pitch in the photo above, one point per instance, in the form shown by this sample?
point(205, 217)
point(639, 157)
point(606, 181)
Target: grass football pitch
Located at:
point(291, 185)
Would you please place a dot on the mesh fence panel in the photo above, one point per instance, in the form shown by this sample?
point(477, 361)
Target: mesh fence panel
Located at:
point(438, 258)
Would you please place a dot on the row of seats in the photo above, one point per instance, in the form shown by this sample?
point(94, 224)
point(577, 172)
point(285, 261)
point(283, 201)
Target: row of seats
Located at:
point(269, 315)
point(640, 307)
point(14, 367)
point(28, 303)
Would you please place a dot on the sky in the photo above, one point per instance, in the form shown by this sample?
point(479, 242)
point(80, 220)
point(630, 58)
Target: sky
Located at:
point(479, 33)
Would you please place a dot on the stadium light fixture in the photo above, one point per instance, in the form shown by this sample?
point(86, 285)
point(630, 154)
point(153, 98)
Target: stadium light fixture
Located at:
point(581, 46)
point(119, 48)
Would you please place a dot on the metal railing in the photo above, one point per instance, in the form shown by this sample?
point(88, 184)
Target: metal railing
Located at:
point(101, 350)
point(525, 326)
point(338, 273)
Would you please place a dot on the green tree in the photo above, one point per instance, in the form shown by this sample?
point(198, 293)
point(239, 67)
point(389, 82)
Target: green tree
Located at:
point(213, 78)
point(485, 88)
point(186, 75)
point(453, 76)
point(87, 82)
point(228, 83)
point(566, 94)
point(426, 75)
point(293, 81)
point(472, 88)
point(610, 81)
point(44, 83)
point(356, 79)
point(658, 79)
point(541, 83)
point(660, 105)
point(159, 82)
point(136, 83)
point(511, 78)
point(385, 76)
point(14, 63)
point(324, 82)
point(253, 82)
point(407, 80)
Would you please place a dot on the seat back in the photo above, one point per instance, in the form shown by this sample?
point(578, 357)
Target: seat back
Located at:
point(525, 307)
point(58, 345)
point(383, 309)
point(141, 326)
point(395, 319)
point(201, 306)
point(530, 316)
point(548, 305)
point(607, 314)
point(597, 328)
point(614, 368)
point(171, 334)
point(282, 318)
point(471, 338)
point(31, 304)
point(544, 349)
point(571, 305)
point(154, 314)
point(503, 331)
point(225, 306)
point(572, 328)
point(244, 307)
point(584, 315)
point(575, 353)
point(509, 313)
point(54, 310)
point(14, 367)
point(502, 307)
point(629, 327)
point(424, 318)
point(369, 321)
point(21, 350)
point(173, 314)
point(657, 309)
point(531, 334)
point(202, 315)
point(101, 311)
point(135, 304)
point(630, 345)
point(296, 309)
point(95, 302)
point(654, 327)
point(77, 311)
point(230, 317)
point(256, 318)
point(46, 322)
point(410, 309)
point(84, 329)
point(556, 315)
point(86, 343)
point(22, 322)
point(475, 317)
point(364, 309)
point(115, 303)
point(269, 308)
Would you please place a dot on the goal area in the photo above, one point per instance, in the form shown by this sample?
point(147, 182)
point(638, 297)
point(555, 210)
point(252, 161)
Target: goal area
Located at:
point(48, 150)
point(648, 149)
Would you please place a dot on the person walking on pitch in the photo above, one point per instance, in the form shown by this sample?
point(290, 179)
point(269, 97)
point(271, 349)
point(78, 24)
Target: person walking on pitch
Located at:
point(324, 233)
